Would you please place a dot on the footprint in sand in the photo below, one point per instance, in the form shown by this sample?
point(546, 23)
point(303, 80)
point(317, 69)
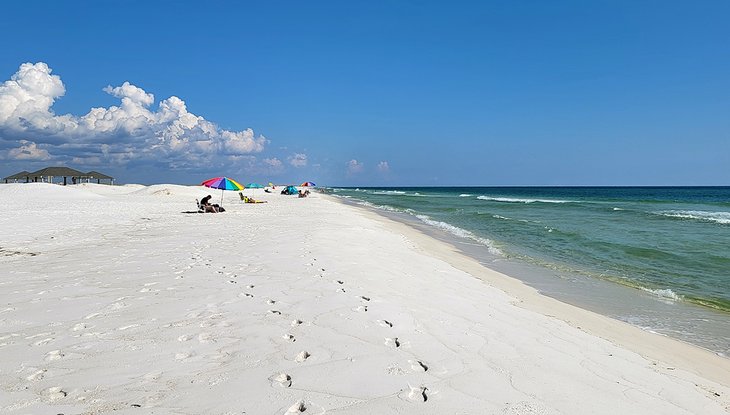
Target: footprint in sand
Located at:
point(194, 314)
point(418, 366)
point(296, 322)
point(392, 342)
point(250, 287)
point(184, 338)
point(183, 356)
point(339, 282)
point(54, 393)
point(385, 323)
point(150, 376)
point(281, 379)
point(79, 327)
point(127, 327)
point(275, 312)
point(249, 295)
point(302, 356)
point(342, 290)
point(297, 408)
point(362, 308)
point(44, 341)
point(362, 297)
point(37, 375)
point(418, 393)
point(289, 337)
point(54, 355)
point(270, 302)
point(524, 407)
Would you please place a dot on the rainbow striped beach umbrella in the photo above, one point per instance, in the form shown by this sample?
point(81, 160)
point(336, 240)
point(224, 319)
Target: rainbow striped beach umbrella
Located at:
point(308, 184)
point(223, 183)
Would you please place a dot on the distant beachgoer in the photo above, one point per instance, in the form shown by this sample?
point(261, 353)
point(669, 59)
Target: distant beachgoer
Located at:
point(207, 207)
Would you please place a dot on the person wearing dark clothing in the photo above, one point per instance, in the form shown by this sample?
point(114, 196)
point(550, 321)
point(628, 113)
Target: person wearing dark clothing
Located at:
point(206, 206)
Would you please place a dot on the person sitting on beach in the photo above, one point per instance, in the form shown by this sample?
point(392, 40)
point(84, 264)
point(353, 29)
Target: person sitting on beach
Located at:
point(206, 206)
point(247, 199)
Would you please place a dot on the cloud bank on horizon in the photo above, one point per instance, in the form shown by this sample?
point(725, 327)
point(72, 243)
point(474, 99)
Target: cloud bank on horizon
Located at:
point(132, 131)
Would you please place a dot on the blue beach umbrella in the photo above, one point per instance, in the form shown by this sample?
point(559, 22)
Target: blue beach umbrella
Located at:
point(255, 186)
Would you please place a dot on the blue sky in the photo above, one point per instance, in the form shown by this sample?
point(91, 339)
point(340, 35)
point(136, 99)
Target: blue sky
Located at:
point(370, 93)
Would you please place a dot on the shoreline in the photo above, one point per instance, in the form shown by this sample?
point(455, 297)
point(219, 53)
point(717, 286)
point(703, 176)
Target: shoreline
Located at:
point(699, 360)
point(686, 321)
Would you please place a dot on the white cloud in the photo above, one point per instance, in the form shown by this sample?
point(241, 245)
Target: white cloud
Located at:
point(354, 167)
point(298, 160)
point(383, 167)
point(274, 163)
point(118, 134)
point(28, 151)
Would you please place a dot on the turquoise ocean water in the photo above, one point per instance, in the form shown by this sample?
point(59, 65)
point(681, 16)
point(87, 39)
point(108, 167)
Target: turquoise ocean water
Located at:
point(671, 244)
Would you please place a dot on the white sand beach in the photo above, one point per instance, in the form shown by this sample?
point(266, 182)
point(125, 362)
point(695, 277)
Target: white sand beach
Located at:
point(114, 301)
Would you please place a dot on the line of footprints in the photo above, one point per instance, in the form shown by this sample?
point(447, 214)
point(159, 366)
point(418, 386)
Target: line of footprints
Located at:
point(284, 380)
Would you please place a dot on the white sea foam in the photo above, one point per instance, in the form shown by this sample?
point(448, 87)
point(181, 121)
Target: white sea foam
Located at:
point(463, 233)
point(519, 200)
point(384, 207)
point(717, 217)
point(617, 208)
point(465, 195)
point(389, 192)
point(664, 293)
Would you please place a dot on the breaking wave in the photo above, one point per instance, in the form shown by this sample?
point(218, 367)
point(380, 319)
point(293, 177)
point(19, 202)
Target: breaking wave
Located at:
point(519, 200)
point(717, 217)
point(389, 192)
point(664, 293)
point(463, 233)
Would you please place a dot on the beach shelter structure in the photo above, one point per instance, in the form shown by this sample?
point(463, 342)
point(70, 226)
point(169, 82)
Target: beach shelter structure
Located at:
point(99, 177)
point(23, 176)
point(223, 183)
point(50, 173)
point(290, 190)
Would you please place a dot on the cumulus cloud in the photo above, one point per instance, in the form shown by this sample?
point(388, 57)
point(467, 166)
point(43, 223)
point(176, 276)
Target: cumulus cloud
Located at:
point(28, 151)
point(132, 131)
point(273, 162)
point(298, 160)
point(354, 167)
point(383, 167)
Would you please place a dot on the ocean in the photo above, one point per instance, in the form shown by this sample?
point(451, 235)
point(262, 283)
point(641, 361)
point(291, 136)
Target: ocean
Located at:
point(656, 257)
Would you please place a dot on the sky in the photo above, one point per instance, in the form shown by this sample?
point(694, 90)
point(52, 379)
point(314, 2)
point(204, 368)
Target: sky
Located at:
point(376, 93)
